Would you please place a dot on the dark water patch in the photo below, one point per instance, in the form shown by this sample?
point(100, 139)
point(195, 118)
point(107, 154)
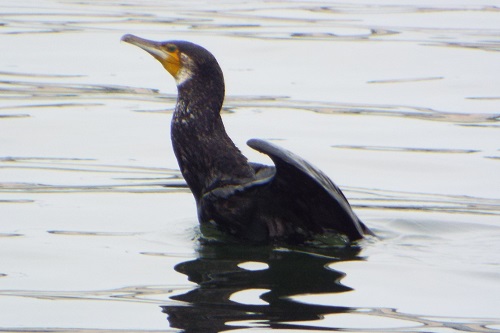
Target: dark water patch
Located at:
point(490, 125)
point(42, 106)
point(416, 324)
point(15, 201)
point(423, 202)
point(210, 25)
point(76, 164)
point(413, 112)
point(407, 112)
point(323, 35)
point(408, 149)
point(418, 79)
point(82, 165)
point(122, 188)
point(161, 111)
point(141, 294)
point(431, 323)
point(166, 254)
point(78, 330)
point(484, 46)
point(485, 98)
point(364, 8)
point(7, 235)
point(80, 18)
point(92, 233)
point(35, 158)
point(14, 89)
point(38, 75)
point(23, 115)
point(345, 35)
point(123, 178)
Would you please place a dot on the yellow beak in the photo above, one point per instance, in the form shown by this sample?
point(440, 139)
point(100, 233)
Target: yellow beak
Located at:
point(166, 53)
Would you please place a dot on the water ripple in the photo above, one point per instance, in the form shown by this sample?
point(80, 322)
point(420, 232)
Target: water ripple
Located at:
point(21, 91)
point(299, 20)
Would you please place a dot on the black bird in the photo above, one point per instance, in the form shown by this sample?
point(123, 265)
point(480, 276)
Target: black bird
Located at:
point(292, 203)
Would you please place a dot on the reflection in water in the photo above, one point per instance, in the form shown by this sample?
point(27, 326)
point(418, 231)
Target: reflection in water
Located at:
point(219, 276)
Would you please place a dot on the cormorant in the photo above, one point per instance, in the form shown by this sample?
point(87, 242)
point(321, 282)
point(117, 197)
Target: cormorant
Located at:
point(292, 202)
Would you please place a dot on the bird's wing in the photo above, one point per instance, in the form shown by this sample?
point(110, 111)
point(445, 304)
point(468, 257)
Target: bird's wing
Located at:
point(308, 187)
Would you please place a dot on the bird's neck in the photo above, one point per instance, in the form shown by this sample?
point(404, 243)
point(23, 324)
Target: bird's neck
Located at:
point(206, 155)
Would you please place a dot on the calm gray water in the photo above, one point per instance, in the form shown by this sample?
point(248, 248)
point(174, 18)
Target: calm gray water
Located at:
point(398, 102)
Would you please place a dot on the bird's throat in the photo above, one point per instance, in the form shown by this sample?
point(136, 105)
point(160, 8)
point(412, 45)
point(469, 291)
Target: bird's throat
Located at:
point(205, 153)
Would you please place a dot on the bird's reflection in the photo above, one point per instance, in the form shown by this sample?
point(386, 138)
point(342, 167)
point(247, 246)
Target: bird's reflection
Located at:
point(208, 308)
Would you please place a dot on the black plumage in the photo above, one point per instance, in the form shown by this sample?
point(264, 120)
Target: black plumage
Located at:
point(292, 202)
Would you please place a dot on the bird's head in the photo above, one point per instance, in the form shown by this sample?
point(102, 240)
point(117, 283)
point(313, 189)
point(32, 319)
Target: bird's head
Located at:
point(183, 60)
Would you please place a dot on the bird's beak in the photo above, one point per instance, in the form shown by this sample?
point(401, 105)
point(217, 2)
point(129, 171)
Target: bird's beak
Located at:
point(160, 51)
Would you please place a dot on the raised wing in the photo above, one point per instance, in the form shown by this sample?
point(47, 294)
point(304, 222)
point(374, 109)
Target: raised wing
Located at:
point(310, 190)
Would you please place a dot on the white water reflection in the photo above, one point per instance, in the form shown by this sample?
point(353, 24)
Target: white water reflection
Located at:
point(398, 103)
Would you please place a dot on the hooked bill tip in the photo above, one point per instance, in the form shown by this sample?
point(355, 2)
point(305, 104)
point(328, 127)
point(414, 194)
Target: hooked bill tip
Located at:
point(128, 37)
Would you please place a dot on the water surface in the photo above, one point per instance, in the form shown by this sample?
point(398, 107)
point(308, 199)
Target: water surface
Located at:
point(397, 102)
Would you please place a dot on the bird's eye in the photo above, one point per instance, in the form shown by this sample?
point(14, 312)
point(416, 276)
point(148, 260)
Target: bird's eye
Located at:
point(171, 48)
